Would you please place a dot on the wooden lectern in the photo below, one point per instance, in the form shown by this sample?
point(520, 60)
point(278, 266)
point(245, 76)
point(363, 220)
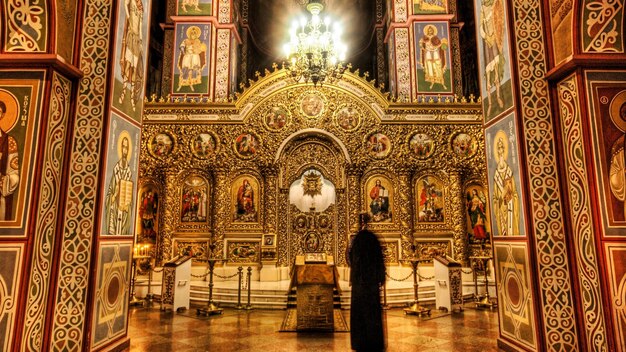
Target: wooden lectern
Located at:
point(314, 281)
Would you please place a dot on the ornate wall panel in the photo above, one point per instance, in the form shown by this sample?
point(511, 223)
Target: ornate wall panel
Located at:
point(224, 11)
point(10, 265)
point(403, 65)
point(71, 295)
point(65, 29)
point(561, 19)
point(515, 298)
point(48, 208)
point(606, 102)
point(109, 314)
point(602, 26)
point(400, 11)
point(580, 216)
point(616, 267)
point(26, 27)
point(554, 270)
point(21, 93)
point(222, 64)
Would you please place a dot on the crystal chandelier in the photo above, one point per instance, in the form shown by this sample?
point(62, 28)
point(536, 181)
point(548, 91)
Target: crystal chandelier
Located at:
point(315, 52)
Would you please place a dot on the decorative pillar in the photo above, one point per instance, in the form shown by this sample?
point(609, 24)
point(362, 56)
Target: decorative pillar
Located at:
point(404, 213)
point(221, 211)
point(354, 198)
point(270, 173)
point(164, 252)
point(341, 241)
point(458, 217)
point(283, 231)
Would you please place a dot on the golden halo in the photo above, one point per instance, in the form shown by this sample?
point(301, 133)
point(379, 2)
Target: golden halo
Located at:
point(193, 29)
point(9, 119)
point(505, 140)
point(124, 134)
point(430, 26)
point(617, 102)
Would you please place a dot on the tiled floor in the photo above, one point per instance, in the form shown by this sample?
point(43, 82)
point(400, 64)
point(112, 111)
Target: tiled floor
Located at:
point(257, 330)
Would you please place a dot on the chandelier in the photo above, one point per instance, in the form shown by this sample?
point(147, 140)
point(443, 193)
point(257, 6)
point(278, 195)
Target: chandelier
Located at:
point(315, 52)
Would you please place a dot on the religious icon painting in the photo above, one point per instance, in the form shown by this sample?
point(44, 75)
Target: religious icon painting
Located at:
point(421, 145)
point(148, 213)
point(243, 252)
point(194, 7)
point(312, 242)
point(195, 248)
point(507, 215)
point(434, 63)
point(609, 132)
point(463, 145)
point(131, 55)
point(312, 105)
point(269, 240)
point(194, 200)
point(347, 118)
point(429, 7)
point(476, 203)
point(379, 199)
point(246, 145)
point(378, 145)
point(122, 158)
point(161, 145)
point(276, 118)
point(204, 145)
point(245, 199)
point(430, 199)
point(494, 57)
point(20, 98)
point(191, 58)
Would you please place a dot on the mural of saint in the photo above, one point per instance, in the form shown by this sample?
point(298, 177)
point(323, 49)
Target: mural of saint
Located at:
point(464, 145)
point(276, 118)
point(430, 200)
point(148, 213)
point(476, 209)
point(203, 145)
point(119, 196)
point(246, 144)
point(505, 196)
point(379, 202)
point(617, 162)
point(194, 7)
point(378, 145)
point(194, 201)
point(161, 145)
point(131, 61)
point(429, 6)
point(422, 145)
point(9, 161)
point(245, 209)
point(347, 118)
point(433, 56)
point(491, 28)
point(192, 59)
point(312, 105)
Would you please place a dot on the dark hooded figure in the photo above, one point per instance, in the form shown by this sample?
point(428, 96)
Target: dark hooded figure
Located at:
point(367, 275)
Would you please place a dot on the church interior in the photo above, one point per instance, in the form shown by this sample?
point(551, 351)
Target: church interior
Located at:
point(189, 174)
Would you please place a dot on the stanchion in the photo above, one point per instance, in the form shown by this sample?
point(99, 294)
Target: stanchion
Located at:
point(249, 278)
point(484, 301)
point(211, 307)
point(149, 296)
point(133, 299)
point(415, 308)
point(240, 273)
point(385, 305)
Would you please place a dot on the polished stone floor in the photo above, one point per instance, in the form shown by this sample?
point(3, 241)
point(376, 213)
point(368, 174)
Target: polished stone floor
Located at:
point(151, 329)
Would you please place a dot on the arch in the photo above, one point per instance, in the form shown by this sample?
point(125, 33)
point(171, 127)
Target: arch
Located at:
point(309, 132)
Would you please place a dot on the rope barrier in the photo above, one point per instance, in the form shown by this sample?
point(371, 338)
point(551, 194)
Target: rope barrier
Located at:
point(467, 272)
point(425, 278)
point(225, 277)
point(406, 278)
point(158, 271)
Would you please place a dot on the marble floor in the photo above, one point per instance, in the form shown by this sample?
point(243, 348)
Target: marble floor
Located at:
point(151, 329)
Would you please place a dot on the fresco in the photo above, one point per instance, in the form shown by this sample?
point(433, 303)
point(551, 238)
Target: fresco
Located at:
point(111, 298)
point(148, 214)
point(609, 130)
point(379, 199)
point(122, 157)
point(430, 199)
point(130, 57)
point(10, 265)
point(493, 52)
point(433, 60)
point(191, 58)
point(194, 7)
point(245, 199)
point(616, 267)
point(515, 300)
point(507, 213)
point(19, 111)
point(194, 202)
point(391, 47)
point(426, 7)
point(478, 226)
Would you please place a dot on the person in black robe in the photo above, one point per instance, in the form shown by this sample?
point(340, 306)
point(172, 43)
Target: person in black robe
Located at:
point(367, 275)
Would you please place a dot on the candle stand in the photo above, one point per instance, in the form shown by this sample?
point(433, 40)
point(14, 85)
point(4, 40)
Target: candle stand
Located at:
point(211, 307)
point(483, 301)
point(415, 308)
